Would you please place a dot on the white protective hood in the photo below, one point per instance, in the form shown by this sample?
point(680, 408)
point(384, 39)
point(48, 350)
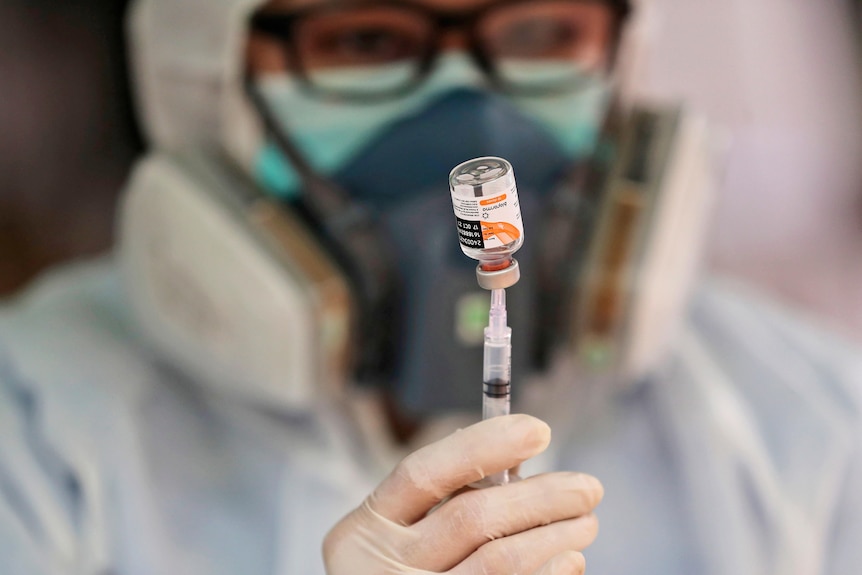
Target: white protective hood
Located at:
point(234, 298)
point(188, 60)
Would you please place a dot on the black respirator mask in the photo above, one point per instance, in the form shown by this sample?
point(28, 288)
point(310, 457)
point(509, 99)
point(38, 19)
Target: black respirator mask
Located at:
point(431, 330)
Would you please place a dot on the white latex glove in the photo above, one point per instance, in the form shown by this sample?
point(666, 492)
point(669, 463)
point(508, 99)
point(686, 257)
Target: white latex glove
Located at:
point(536, 526)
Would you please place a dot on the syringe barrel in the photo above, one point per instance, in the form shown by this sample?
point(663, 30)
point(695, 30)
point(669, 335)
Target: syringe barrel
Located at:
point(497, 371)
point(495, 406)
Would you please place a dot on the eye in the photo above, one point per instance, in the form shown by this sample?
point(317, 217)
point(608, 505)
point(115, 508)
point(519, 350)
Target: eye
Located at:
point(540, 36)
point(366, 45)
point(361, 37)
point(548, 30)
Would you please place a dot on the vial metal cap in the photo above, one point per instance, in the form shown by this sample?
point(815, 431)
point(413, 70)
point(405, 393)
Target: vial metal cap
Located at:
point(482, 176)
point(500, 279)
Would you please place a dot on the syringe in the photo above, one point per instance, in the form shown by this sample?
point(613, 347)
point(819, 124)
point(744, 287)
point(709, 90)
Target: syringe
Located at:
point(491, 230)
point(497, 372)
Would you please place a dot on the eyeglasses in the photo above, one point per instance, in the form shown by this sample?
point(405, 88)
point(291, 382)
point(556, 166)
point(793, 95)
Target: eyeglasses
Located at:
point(375, 50)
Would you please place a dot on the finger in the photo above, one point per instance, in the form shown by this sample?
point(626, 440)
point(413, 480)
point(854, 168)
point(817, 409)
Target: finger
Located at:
point(429, 475)
point(527, 551)
point(463, 524)
point(566, 563)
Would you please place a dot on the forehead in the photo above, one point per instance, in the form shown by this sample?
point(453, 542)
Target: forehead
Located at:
point(447, 5)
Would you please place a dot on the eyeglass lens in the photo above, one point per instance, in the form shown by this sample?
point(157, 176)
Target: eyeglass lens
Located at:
point(370, 49)
point(546, 44)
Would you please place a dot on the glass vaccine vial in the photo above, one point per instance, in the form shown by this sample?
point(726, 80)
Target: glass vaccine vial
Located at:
point(488, 214)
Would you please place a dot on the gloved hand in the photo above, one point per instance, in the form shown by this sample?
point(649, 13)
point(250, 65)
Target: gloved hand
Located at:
point(536, 526)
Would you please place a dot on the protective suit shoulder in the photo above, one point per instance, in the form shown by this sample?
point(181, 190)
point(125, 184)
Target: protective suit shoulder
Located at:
point(764, 408)
point(70, 372)
point(748, 329)
point(799, 388)
point(112, 461)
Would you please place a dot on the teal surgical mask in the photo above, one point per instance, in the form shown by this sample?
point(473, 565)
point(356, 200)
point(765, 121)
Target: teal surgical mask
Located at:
point(329, 133)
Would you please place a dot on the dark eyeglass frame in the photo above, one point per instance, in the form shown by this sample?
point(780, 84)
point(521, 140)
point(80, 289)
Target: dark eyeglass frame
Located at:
point(283, 27)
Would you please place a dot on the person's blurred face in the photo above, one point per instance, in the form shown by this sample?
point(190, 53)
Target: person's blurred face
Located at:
point(521, 45)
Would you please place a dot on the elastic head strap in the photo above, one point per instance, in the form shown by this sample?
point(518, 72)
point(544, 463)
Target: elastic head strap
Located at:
point(352, 235)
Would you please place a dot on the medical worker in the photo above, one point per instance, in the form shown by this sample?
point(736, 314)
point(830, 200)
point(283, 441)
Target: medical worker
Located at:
point(288, 316)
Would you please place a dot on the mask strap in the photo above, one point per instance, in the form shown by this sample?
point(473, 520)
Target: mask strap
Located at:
point(352, 235)
point(569, 218)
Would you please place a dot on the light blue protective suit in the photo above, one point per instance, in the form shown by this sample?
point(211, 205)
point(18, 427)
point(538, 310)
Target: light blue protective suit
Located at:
point(741, 457)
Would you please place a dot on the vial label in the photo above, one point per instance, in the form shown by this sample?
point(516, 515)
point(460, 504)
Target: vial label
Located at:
point(488, 222)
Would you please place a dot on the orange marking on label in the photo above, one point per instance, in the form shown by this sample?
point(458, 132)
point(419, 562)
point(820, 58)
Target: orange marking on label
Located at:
point(496, 200)
point(505, 232)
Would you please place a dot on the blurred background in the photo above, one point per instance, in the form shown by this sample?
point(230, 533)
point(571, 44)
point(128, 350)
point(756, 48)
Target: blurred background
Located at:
point(783, 77)
point(67, 138)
